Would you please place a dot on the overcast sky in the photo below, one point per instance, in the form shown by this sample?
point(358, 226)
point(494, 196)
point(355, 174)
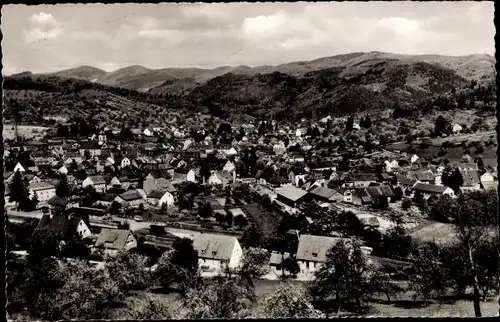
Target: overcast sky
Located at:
point(50, 38)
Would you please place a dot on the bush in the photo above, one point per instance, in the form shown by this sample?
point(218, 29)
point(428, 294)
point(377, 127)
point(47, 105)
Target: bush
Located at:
point(406, 204)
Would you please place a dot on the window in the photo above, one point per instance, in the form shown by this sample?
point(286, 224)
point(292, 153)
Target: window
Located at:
point(315, 254)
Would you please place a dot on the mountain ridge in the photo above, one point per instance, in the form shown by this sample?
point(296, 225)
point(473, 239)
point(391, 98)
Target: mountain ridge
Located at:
point(479, 67)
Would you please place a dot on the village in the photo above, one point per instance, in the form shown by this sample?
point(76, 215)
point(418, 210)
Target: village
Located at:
point(139, 193)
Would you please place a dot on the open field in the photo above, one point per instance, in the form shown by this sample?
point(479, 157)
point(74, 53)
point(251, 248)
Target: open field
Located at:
point(25, 131)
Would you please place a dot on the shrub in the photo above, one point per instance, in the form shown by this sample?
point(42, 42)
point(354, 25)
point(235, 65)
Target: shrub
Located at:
point(406, 204)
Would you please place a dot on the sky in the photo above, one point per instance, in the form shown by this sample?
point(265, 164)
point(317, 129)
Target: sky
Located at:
point(49, 38)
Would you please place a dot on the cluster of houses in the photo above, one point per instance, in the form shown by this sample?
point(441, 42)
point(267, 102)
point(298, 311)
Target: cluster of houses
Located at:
point(290, 168)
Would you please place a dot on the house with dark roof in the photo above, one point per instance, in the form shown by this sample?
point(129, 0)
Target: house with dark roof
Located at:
point(312, 251)
point(291, 195)
point(90, 147)
point(216, 252)
point(428, 190)
point(43, 190)
point(98, 182)
point(115, 240)
point(105, 199)
point(158, 198)
point(65, 225)
point(132, 198)
point(380, 191)
point(360, 180)
point(322, 194)
point(471, 180)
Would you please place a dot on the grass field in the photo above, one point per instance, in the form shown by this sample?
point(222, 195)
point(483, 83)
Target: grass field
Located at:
point(25, 131)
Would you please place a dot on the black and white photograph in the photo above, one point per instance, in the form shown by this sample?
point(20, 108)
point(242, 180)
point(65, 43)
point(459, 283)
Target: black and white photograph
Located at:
point(250, 160)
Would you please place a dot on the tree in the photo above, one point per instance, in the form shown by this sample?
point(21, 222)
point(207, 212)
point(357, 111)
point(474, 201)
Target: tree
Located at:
point(85, 294)
point(252, 237)
point(220, 217)
point(453, 179)
point(219, 298)
point(63, 190)
point(19, 191)
point(397, 243)
point(350, 123)
point(128, 270)
point(255, 262)
point(146, 307)
point(343, 278)
point(241, 220)
point(287, 301)
point(442, 126)
point(179, 266)
point(115, 208)
point(366, 122)
point(290, 265)
point(406, 204)
point(205, 172)
point(205, 211)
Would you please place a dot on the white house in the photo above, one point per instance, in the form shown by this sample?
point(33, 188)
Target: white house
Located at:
point(216, 252)
point(230, 152)
point(488, 181)
point(229, 167)
point(147, 132)
point(43, 190)
point(132, 198)
point(457, 128)
point(191, 176)
point(63, 170)
point(98, 182)
point(19, 168)
point(125, 162)
point(158, 198)
point(430, 189)
point(115, 240)
point(298, 133)
point(391, 165)
point(414, 158)
point(312, 251)
point(73, 224)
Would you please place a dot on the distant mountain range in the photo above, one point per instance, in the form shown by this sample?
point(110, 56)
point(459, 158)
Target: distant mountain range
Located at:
point(478, 67)
point(337, 85)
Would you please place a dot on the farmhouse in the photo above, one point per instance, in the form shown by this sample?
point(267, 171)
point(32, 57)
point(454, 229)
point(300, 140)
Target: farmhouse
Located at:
point(216, 252)
point(290, 195)
point(43, 190)
point(115, 240)
point(312, 250)
point(430, 189)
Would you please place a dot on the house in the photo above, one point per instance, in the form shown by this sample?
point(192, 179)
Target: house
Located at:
point(191, 176)
point(19, 168)
point(405, 183)
point(312, 251)
point(322, 194)
point(132, 198)
point(413, 158)
point(229, 167)
point(125, 162)
point(147, 132)
point(276, 260)
point(430, 189)
point(488, 181)
point(65, 225)
point(159, 198)
point(342, 195)
point(471, 181)
point(391, 165)
point(297, 176)
point(360, 180)
point(91, 147)
point(43, 190)
point(98, 182)
point(115, 182)
point(291, 195)
point(57, 204)
point(220, 178)
point(115, 240)
point(457, 128)
point(105, 199)
point(380, 191)
point(161, 184)
point(216, 252)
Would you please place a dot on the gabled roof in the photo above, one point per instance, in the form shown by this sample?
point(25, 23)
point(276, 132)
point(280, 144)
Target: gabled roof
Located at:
point(59, 223)
point(277, 258)
point(292, 193)
point(109, 197)
point(131, 195)
point(429, 188)
point(112, 238)
point(89, 145)
point(322, 192)
point(42, 185)
point(99, 179)
point(315, 248)
point(156, 194)
point(379, 191)
point(364, 177)
point(211, 246)
point(158, 184)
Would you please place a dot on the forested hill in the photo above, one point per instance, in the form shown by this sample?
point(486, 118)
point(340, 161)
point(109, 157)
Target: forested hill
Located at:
point(355, 83)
